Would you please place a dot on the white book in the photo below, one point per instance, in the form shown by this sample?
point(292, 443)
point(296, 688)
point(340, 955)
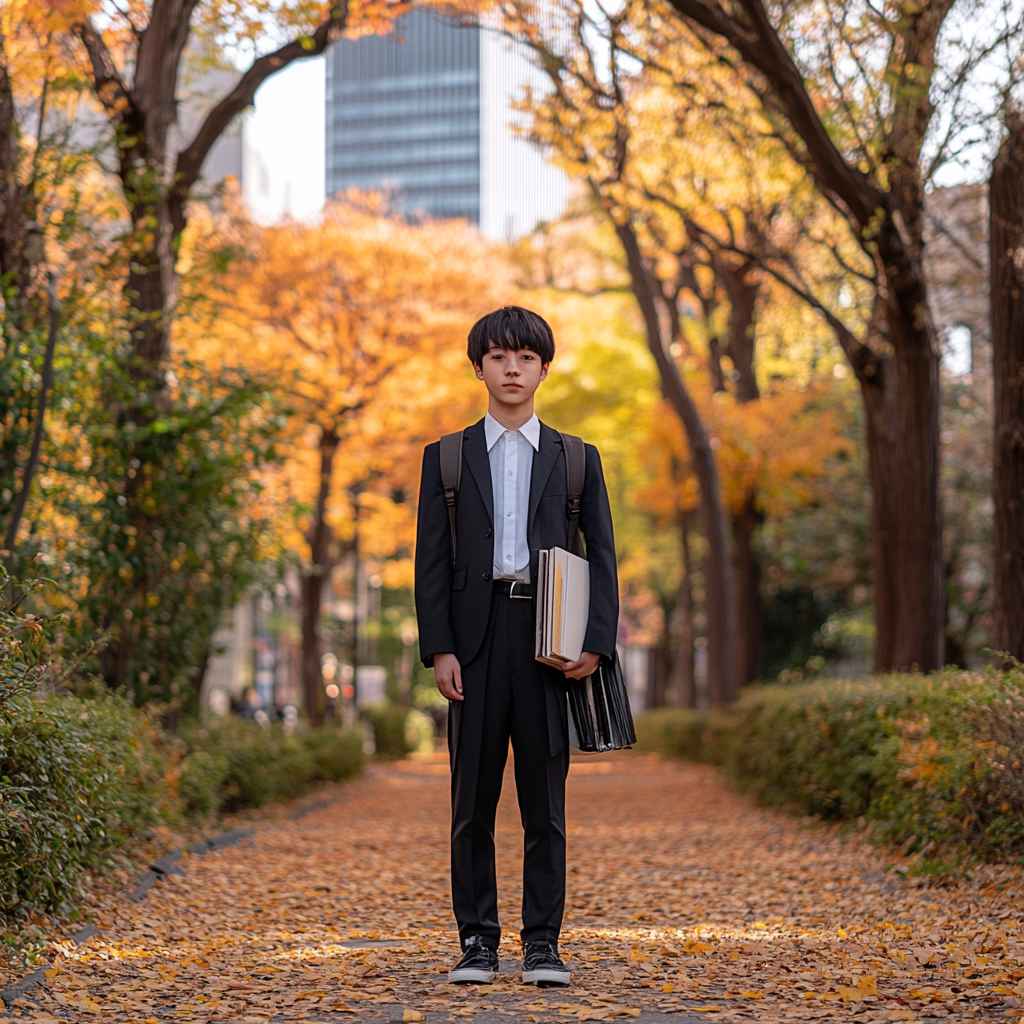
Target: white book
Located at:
point(563, 606)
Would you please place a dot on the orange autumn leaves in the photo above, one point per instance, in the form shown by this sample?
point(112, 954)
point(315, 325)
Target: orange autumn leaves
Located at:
point(689, 900)
point(358, 322)
point(780, 447)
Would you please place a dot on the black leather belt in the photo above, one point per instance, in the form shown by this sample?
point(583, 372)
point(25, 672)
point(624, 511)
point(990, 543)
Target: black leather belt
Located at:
point(514, 588)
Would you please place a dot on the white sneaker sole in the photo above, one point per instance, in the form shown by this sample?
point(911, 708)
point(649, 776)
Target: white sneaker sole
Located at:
point(546, 976)
point(471, 976)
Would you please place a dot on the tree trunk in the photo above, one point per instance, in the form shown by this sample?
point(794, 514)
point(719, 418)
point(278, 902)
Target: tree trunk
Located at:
point(312, 669)
point(917, 569)
point(1006, 262)
point(116, 658)
point(319, 537)
point(684, 691)
point(709, 305)
point(151, 287)
point(741, 285)
point(715, 364)
point(12, 223)
point(38, 427)
point(876, 394)
point(901, 404)
point(21, 240)
point(748, 592)
point(721, 656)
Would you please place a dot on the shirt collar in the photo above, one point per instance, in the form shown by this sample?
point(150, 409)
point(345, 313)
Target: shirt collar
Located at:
point(530, 430)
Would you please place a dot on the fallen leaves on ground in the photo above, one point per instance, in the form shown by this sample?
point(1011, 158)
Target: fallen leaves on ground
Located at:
point(682, 898)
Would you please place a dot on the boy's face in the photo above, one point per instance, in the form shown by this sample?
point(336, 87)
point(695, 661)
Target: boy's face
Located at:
point(512, 377)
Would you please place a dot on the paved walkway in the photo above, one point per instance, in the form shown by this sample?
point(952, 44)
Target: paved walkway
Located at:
point(685, 902)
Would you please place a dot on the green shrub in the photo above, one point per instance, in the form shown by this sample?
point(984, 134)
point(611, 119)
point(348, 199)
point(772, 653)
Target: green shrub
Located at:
point(933, 762)
point(77, 778)
point(81, 775)
point(234, 763)
point(419, 732)
point(691, 734)
point(337, 754)
point(200, 782)
point(388, 721)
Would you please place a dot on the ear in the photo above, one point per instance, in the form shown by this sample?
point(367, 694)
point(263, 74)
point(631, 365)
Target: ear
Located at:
point(544, 371)
point(479, 371)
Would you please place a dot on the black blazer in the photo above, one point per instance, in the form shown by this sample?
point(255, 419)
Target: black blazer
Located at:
point(452, 606)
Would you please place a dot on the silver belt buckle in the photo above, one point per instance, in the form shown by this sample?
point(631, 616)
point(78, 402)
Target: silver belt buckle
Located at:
point(512, 591)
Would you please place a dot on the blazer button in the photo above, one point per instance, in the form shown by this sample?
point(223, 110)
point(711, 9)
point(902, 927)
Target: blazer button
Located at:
point(486, 576)
point(488, 534)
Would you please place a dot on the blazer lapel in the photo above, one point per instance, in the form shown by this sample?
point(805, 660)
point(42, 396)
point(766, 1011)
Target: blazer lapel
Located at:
point(474, 452)
point(543, 462)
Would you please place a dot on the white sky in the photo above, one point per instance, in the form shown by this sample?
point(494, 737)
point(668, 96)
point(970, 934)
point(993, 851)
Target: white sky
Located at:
point(283, 161)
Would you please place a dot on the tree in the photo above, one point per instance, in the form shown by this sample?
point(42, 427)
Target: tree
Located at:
point(19, 245)
point(135, 58)
point(153, 579)
point(583, 122)
point(31, 308)
point(352, 316)
point(707, 201)
point(867, 159)
point(131, 58)
point(1006, 260)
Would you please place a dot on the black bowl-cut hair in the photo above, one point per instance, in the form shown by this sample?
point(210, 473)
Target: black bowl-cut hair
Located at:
point(511, 328)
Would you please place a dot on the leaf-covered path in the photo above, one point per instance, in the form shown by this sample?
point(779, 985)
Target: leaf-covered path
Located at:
point(683, 900)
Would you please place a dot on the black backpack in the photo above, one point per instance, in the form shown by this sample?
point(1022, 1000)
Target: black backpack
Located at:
point(575, 475)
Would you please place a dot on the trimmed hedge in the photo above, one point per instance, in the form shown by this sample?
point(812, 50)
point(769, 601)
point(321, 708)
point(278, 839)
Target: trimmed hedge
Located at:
point(80, 777)
point(388, 722)
point(934, 763)
point(77, 779)
point(233, 764)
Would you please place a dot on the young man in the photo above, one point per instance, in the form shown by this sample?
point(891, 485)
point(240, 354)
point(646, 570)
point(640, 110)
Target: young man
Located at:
point(477, 629)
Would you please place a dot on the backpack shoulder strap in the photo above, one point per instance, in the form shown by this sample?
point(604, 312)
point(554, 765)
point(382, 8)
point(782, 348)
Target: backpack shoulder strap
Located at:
point(451, 477)
point(575, 476)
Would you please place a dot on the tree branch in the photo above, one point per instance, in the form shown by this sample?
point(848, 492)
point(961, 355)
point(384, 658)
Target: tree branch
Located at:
point(190, 159)
point(867, 364)
point(940, 228)
point(110, 88)
point(762, 48)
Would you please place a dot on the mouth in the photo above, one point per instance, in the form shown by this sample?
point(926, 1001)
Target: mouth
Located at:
point(512, 385)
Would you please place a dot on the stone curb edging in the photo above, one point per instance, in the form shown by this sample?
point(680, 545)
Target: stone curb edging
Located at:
point(166, 865)
point(21, 989)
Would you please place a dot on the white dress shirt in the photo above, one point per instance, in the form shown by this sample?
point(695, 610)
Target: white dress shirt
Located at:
point(511, 456)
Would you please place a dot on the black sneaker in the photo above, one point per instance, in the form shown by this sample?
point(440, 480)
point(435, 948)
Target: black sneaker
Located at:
point(542, 966)
point(478, 966)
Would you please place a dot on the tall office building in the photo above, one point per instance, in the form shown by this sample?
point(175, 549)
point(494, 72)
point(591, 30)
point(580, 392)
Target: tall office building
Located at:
point(425, 112)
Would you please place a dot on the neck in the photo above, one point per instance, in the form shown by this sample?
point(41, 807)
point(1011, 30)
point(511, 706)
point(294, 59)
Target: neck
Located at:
point(510, 417)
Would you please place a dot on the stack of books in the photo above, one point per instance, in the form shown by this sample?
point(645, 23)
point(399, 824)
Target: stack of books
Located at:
point(599, 705)
point(563, 606)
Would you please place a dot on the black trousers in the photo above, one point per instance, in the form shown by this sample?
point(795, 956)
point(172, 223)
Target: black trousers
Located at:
point(504, 691)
